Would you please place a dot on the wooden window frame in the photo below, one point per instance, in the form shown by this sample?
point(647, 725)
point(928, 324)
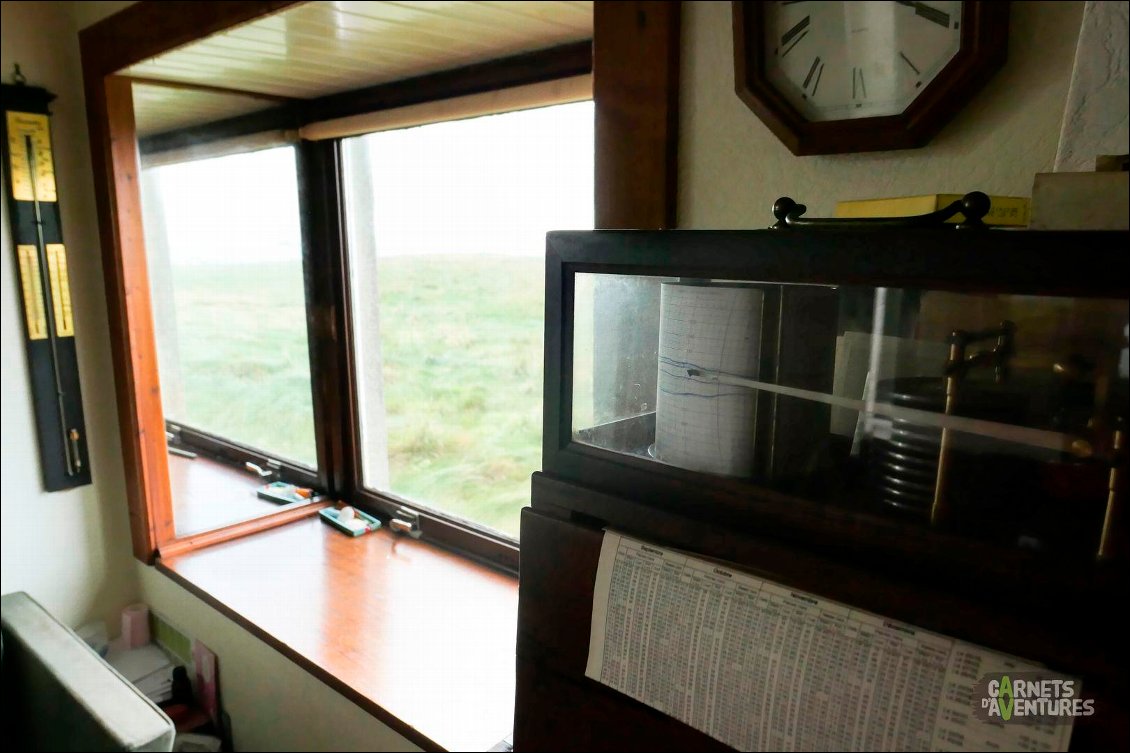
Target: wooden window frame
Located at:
point(231, 452)
point(636, 138)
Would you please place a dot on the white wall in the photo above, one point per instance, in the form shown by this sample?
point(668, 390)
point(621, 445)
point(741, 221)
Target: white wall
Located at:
point(87, 12)
point(70, 550)
point(274, 704)
point(1097, 117)
point(732, 168)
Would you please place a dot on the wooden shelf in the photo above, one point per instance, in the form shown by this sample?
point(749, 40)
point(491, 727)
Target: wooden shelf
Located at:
point(417, 636)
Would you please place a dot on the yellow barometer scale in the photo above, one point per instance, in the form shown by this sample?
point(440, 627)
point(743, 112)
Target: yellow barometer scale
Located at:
point(45, 291)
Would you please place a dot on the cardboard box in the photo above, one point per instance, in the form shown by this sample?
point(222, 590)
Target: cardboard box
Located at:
point(1081, 201)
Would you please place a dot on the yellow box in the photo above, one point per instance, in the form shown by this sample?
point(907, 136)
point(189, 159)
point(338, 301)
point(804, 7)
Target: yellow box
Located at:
point(1007, 211)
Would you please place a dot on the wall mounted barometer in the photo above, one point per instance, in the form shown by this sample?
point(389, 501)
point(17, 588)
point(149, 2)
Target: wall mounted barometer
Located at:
point(44, 285)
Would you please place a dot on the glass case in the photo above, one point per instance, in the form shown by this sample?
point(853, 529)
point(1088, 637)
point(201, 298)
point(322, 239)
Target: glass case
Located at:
point(972, 382)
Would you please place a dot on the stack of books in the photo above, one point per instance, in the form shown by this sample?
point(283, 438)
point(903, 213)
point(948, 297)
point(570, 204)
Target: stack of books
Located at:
point(148, 668)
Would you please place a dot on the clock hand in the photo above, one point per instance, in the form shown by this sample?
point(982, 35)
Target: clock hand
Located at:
point(930, 13)
point(70, 438)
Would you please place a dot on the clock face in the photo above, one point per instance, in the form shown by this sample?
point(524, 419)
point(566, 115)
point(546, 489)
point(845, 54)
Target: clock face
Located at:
point(840, 60)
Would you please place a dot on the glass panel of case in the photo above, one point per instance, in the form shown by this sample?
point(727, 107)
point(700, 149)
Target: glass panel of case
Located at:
point(993, 415)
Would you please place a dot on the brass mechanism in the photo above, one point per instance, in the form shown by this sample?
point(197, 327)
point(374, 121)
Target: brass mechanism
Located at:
point(1118, 447)
point(957, 367)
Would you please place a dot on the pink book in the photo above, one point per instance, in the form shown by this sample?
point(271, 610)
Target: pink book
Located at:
point(204, 662)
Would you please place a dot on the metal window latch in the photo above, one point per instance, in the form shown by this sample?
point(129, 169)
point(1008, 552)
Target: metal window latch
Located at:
point(268, 474)
point(405, 522)
point(173, 444)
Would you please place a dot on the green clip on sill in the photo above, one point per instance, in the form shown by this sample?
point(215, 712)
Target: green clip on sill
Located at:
point(354, 522)
point(284, 493)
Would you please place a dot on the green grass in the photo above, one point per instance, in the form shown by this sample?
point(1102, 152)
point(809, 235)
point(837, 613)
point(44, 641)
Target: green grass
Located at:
point(462, 354)
point(244, 362)
point(461, 342)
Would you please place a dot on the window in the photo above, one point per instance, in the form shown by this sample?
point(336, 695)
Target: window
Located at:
point(148, 102)
point(446, 235)
point(226, 276)
point(225, 254)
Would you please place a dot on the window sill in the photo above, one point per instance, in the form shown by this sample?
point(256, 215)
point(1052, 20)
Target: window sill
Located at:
point(208, 495)
point(419, 637)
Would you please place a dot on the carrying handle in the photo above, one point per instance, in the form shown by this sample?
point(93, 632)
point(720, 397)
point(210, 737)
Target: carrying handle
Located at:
point(406, 522)
point(268, 474)
point(973, 206)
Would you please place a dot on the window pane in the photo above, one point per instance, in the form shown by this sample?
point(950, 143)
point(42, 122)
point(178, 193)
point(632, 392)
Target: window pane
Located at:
point(225, 262)
point(447, 228)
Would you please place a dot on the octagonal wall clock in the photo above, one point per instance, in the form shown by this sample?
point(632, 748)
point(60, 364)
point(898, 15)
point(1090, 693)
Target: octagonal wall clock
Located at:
point(836, 77)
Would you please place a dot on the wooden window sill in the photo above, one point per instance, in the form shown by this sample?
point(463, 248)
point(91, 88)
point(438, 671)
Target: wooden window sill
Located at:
point(417, 636)
point(208, 495)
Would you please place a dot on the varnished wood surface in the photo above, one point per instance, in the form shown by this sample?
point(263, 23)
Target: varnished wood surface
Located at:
point(559, 712)
point(636, 91)
point(285, 516)
point(114, 155)
point(420, 637)
point(209, 495)
point(214, 502)
point(138, 32)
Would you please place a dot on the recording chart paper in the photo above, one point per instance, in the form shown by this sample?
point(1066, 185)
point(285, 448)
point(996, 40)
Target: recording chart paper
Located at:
point(702, 425)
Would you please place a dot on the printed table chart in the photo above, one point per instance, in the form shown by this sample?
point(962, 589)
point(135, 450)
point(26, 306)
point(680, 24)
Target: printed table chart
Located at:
point(763, 667)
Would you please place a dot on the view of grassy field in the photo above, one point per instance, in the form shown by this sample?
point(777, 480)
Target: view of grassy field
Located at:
point(244, 366)
point(449, 219)
point(461, 341)
point(462, 353)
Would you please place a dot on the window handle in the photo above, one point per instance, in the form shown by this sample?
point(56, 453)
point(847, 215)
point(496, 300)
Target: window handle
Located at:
point(173, 444)
point(406, 522)
point(268, 474)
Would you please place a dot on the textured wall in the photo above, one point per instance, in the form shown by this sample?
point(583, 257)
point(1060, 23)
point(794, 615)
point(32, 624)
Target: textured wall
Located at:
point(86, 12)
point(1095, 121)
point(731, 167)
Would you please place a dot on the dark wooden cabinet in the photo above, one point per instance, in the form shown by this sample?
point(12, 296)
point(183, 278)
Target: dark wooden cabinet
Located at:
point(1016, 482)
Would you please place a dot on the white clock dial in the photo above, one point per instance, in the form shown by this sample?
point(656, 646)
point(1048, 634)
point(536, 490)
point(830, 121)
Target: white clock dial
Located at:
point(839, 60)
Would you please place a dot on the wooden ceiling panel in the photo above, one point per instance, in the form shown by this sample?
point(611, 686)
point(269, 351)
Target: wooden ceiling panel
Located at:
point(302, 41)
point(576, 16)
point(462, 17)
point(239, 66)
point(158, 109)
point(357, 34)
point(320, 48)
point(219, 74)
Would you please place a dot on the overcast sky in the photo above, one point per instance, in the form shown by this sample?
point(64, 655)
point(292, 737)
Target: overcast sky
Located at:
point(493, 185)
